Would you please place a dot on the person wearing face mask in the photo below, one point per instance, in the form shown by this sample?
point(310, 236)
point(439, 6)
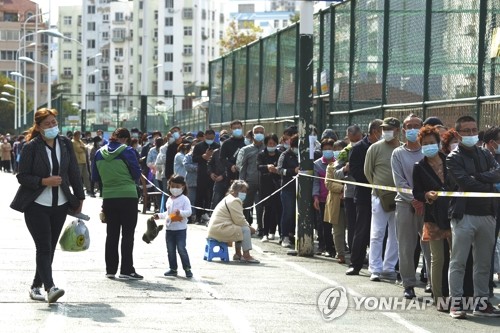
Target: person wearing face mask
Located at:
point(246, 164)
point(320, 193)
point(288, 168)
point(173, 144)
point(178, 210)
point(47, 169)
point(202, 153)
point(230, 148)
point(472, 169)
point(269, 182)
point(228, 223)
point(409, 211)
point(429, 177)
point(378, 171)
point(491, 140)
point(362, 197)
point(117, 166)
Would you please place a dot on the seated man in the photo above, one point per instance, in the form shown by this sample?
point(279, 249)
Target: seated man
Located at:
point(228, 224)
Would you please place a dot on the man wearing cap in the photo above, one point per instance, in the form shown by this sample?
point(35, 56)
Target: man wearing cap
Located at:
point(171, 151)
point(378, 171)
point(409, 212)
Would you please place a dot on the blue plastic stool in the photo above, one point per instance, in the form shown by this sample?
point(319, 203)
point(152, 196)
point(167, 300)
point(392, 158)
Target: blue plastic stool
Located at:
point(222, 252)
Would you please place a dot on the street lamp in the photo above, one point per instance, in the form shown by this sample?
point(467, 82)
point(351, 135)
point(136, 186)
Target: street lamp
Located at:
point(83, 102)
point(3, 99)
point(31, 61)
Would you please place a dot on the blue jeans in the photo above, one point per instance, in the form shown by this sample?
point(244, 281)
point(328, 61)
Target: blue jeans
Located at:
point(176, 239)
point(288, 200)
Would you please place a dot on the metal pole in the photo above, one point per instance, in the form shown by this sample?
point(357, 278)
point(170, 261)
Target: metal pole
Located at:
point(304, 242)
point(427, 54)
point(49, 77)
point(385, 56)
point(481, 55)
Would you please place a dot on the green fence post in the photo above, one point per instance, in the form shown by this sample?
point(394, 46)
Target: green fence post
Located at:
point(481, 55)
point(385, 55)
point(427, 55)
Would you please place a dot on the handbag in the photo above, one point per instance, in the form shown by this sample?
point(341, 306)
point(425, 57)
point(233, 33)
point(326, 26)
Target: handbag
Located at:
point(75, 237)
point(387, 200)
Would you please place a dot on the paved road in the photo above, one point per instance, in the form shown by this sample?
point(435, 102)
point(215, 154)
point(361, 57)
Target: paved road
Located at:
point(279, 295)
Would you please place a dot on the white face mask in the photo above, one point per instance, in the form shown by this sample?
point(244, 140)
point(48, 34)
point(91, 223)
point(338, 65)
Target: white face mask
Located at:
point(176, 191)
point(388, 135)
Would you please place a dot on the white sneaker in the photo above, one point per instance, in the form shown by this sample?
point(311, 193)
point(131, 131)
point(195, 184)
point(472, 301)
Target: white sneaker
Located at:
point(264, 239)
point(54, 294)
point(286, 242)
point(36, 294)
point(205, 217)
point(270, 237)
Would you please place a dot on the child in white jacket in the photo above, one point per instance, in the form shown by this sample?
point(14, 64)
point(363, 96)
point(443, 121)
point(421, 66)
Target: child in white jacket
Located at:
point(178, 209)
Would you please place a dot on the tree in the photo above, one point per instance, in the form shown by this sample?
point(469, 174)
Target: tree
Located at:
point(6, 108)
point(236, 38)
point(295, 17)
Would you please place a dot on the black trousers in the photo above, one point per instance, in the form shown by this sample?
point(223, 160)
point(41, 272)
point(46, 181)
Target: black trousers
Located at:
point(204, 189)
point(361, 238)
point(350, 213)
point(253, 196)
point(121, 215)
point(45, 224)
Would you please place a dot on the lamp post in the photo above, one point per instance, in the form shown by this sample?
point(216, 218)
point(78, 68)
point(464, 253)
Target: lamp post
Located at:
point(18, 96)
point(29, 60)
point(83, 103)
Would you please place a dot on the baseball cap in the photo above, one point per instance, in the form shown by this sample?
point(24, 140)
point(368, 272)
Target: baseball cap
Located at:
point(391, 122)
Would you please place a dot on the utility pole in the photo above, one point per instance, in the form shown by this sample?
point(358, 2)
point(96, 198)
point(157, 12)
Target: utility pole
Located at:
point(304, 242)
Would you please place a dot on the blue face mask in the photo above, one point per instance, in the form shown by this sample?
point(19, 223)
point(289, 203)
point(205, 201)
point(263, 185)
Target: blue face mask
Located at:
point(242, 196)
point(209, 142)
point(247, 141)
point(176, 135)
point(470, 141)
point(295, 151)
point(430, 150)
point(51, 133)
point(286, 145)
point(336, 153)
point(259, 137)
point(271, 149)
point(237, 132)
point(328, 154)
point(411, 135)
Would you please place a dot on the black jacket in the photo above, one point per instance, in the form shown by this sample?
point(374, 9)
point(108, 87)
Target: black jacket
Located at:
point(198, 151)
point(362, 195)
point(268, 182)
point(35, 165)
point(215, 165)
point(169, 159)
point(472, 170)
point(425, 180)
point(287, 163)
point(228, 153)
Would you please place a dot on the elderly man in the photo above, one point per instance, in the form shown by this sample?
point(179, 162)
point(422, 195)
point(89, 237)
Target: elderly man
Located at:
point(82, 159)
point(246, 164)
point(378, 171)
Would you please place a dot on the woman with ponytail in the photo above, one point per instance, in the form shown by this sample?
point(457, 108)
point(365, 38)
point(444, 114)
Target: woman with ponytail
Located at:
point(47, 169)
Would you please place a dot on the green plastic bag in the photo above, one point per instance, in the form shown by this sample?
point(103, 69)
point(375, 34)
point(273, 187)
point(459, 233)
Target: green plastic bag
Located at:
point(75, 237)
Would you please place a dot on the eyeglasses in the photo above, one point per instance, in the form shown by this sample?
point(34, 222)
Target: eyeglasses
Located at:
point(469, 131)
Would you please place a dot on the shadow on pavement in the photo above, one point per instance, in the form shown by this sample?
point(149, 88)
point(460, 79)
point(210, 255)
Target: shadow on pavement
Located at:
point(99, 312)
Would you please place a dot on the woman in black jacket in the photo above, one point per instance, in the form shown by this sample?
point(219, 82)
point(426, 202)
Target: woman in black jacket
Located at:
point(269, 181)
point(288, 167)
point(47, 169)
point(429, 177)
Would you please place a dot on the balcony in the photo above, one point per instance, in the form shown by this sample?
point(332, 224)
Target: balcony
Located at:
point(66, 76)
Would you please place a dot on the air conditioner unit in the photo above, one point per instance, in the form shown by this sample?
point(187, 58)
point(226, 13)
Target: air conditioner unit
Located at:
point(155, 39)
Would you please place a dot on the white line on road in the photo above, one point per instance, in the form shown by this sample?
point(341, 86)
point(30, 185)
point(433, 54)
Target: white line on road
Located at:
point(393, 316)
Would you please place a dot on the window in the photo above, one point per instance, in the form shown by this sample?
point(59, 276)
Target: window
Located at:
point(91, 44)
point(213, 15)
point(91, 26)
point(119, 87)
point(169, 21)
point(169, 57)
point(105, 17)
point(67, 71)
point(119, 52)
point(276, 24)
point(119, 69)
point(213, 52)
point(67, 37)
point(246, 8)
point(202, 50)
point(67, 55)
point(188, 31)
point(187, 67)
point(9, 35)
point(169, 3)
point(169, 76)
point(91, 10)
point(169, 40)
point(203, 14)
point(221, 18)
point(105, 35)
point(187, 13)
point(168, 93)
point(156, 15)
point(203, 66)
point(285, 23)
point(7, 55)
point(67, 20)
point(187, 50)
point(141, 5)
point(203, 33)
point(119, 17)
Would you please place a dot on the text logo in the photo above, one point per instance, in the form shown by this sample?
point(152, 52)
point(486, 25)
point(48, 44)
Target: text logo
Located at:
point(332, 302)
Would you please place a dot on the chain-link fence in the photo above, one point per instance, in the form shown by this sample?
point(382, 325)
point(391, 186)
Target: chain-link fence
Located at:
point(372, 58)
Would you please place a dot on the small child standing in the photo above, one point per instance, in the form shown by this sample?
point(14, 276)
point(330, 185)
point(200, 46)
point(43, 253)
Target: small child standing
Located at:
point(178, 209)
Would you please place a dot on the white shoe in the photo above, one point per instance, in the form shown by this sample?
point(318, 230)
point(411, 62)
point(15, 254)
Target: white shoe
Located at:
point(264, 239)
point(36, 294)
point(205, 217)
point(54, 294)
point(286, 242)
point(270, 237)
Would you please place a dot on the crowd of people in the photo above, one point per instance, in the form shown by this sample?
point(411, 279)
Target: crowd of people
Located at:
point(225, 179)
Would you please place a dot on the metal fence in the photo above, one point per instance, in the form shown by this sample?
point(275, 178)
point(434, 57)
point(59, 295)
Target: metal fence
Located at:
point(372, 58)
